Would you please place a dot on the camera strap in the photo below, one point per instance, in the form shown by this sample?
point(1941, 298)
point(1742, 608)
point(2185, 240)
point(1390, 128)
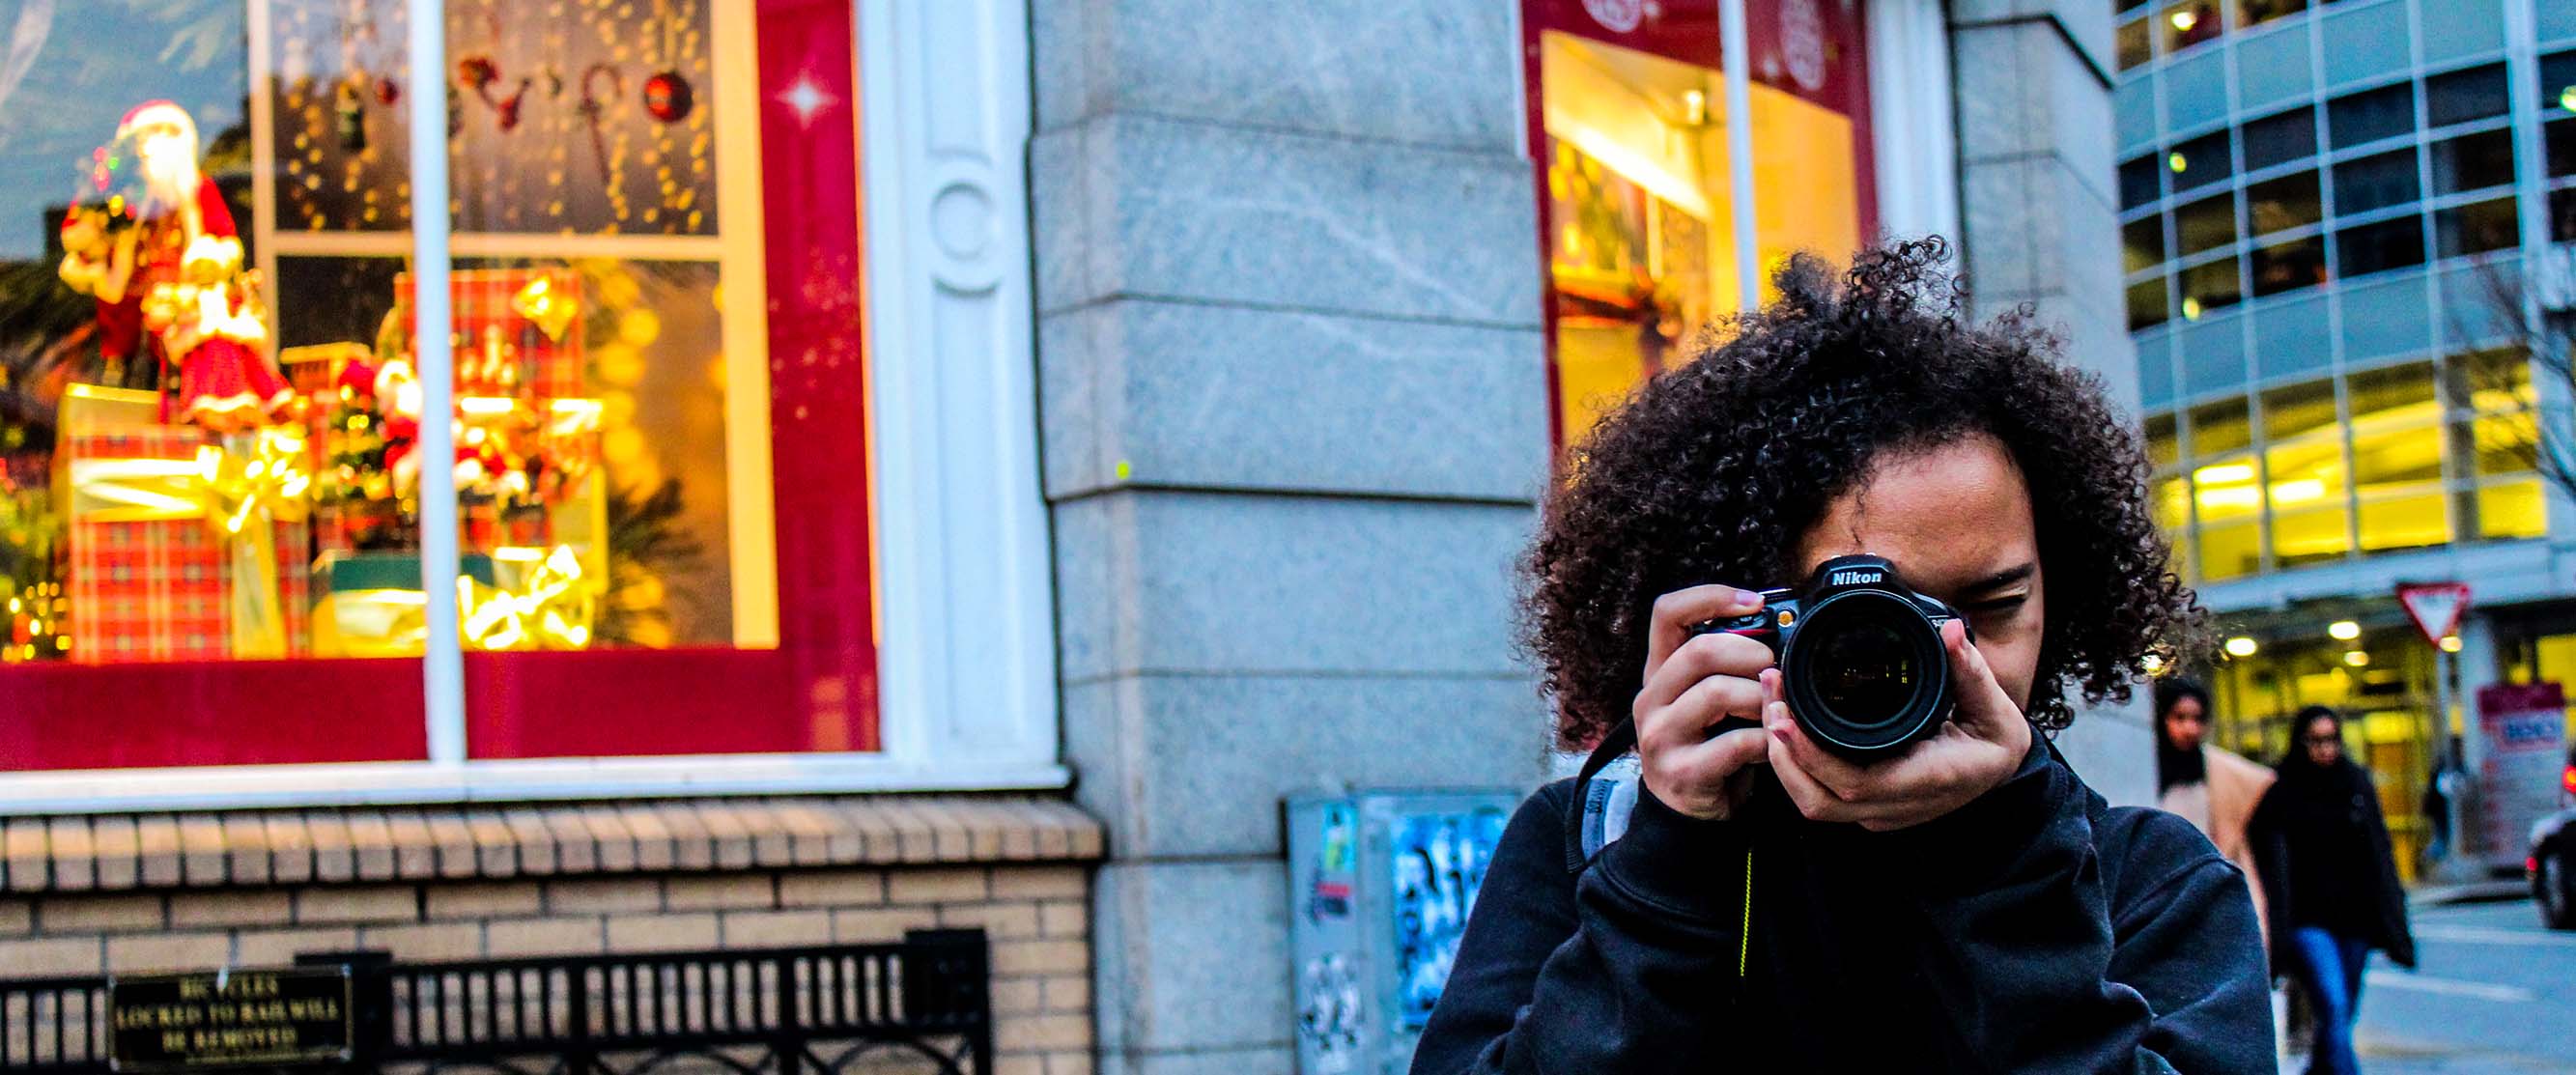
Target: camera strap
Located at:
point(1599, 812)
point(1599, 815)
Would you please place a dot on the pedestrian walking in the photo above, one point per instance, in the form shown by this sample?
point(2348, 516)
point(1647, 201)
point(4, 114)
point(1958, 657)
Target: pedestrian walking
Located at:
point(2213, 789)
point(2330, 879)
point(1936, 890)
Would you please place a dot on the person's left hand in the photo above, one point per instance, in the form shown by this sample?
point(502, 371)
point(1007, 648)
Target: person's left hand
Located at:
point(1979, 747)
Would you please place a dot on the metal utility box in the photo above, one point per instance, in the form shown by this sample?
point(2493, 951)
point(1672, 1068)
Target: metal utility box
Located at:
point(1379, 886)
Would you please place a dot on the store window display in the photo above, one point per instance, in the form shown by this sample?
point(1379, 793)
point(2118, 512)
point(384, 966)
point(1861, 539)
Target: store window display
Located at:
point(1635, 195)
point(214, 397)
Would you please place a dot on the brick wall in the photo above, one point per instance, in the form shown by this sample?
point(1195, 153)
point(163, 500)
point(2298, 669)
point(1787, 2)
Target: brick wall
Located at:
point(1035, 912)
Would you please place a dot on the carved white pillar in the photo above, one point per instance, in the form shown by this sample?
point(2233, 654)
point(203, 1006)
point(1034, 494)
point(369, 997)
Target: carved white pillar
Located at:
point(968, 653)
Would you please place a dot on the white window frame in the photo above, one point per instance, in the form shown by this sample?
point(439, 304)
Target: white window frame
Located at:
point(1914, 120)
point(966, 647)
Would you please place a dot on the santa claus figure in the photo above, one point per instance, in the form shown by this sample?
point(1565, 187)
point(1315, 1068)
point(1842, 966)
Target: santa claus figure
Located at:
point(167, 273)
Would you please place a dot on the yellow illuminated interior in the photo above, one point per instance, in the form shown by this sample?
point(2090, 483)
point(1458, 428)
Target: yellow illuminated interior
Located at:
point(2385, 477)
point(1642, 253)
point(2383, 683)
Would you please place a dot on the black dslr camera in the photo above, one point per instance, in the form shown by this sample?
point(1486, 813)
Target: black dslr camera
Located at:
point(1859, 653)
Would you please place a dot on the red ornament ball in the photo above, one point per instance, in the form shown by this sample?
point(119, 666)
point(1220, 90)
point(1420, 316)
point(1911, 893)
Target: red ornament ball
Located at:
point(387, 91)
point(668, 97)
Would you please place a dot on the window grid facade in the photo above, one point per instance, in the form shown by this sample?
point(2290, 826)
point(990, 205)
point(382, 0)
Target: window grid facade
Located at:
point(2266, 248)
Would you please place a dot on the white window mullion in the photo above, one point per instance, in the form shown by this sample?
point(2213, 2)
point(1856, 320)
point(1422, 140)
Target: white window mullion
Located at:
point(1734, 53)
point(443, 661)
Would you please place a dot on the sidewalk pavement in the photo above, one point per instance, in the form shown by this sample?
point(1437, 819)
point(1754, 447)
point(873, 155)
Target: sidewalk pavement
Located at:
point(2491, 891)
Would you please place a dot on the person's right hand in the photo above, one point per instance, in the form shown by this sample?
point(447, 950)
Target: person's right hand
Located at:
point(1692, 683)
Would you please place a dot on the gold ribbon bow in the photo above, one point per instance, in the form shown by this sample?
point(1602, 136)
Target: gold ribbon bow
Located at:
point(551, 605)
point(545, 602)
point(240, 488)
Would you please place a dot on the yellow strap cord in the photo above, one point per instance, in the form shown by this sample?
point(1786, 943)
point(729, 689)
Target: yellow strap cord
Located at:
point(1744, 936)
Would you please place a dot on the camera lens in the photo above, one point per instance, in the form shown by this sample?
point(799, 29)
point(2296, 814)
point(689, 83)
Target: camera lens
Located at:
point(1865, 672)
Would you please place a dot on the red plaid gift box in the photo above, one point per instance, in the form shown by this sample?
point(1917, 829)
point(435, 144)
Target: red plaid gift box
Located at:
point(517, 332)
point(161, 589)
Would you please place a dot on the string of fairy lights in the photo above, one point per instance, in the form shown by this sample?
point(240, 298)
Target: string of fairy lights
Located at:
point(565, 116)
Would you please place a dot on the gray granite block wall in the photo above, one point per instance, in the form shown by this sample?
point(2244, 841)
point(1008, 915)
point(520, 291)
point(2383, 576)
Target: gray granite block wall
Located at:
point(1293, 409)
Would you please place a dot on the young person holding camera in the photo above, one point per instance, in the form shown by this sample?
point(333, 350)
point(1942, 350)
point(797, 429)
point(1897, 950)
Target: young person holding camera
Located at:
point(1853, 848)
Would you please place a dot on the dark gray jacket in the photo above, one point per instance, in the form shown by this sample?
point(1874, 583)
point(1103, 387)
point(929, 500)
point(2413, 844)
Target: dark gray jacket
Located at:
point(2034, 930)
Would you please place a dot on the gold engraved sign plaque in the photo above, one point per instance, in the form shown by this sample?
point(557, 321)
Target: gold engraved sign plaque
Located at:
point(175, 1022)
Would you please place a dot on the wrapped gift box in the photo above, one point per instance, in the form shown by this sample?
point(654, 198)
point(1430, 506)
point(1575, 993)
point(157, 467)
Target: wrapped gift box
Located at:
point(369, 604)
point(518, 332)
point(314, 370)
point(157, 583)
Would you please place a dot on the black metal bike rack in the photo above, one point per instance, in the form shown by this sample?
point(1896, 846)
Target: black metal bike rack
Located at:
point(922, 1004)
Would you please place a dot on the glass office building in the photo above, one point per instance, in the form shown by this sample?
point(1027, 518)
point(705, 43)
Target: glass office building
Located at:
point(2328, 211)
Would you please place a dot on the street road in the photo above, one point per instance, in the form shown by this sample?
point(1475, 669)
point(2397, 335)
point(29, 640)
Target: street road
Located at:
point(2495, 994)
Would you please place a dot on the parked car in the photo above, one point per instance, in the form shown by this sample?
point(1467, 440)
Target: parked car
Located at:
point(2552, 862)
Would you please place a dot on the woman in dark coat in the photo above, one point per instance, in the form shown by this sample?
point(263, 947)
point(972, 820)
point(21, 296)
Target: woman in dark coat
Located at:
point(2329, 880)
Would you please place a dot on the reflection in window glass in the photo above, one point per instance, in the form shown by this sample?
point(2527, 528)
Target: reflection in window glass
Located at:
point(2473, 161)
point(2163, 449)
point(2281, 204)
point(2299, 411)
point(2510, 510)
point(2288, 266)
point(2560, 134)
point(2140, 182)
point(2391, 392)
point(2280, 138)
point(135, 334)
point(2210, 287)
point(2492, 411)
point(2219, 428)
point(2496, 380)
point(2191, 22)
point(2147, 304)
point(2506, 443)
point(2376, 182)
point(2257, 12)
point(2199, 162)
point(2371, 115)
point(2204, 225)
point(2558, 79)
point(2142, 244)
point(2135, 44)
point(2478, 227)
point(2389, 244)
point(2461, 96)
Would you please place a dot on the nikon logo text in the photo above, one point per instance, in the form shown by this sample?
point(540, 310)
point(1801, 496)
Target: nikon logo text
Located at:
point(1855, 578)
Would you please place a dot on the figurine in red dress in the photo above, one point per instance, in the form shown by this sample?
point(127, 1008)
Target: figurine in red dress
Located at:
point(169, 280)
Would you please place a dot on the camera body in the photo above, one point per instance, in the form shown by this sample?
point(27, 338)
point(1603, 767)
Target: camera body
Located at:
point(1860, 655)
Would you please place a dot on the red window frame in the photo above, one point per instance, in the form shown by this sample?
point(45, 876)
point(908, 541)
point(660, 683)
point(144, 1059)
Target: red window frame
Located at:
point(1688, 31)
point(814, 692)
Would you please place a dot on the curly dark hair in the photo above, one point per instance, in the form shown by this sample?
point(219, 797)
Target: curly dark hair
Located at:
point(1712, 470)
